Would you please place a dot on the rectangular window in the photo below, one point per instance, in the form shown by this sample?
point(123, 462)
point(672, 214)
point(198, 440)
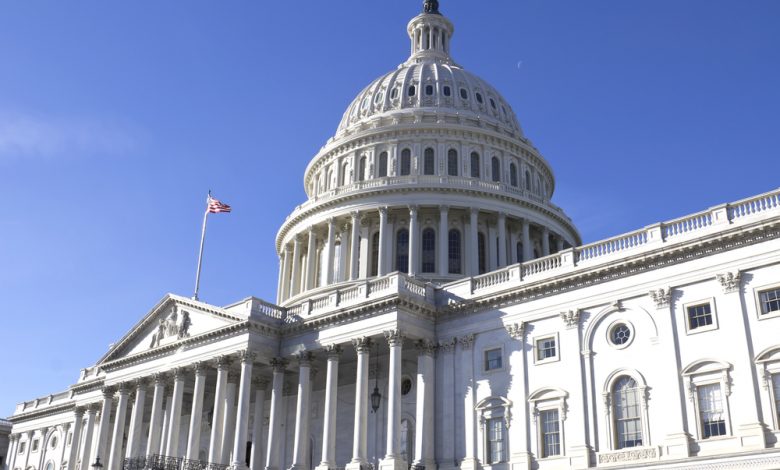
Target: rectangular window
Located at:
point(769, 300)
point(495, 440)
point(22, 447)
point(546, 348)
point(493, 359)
point(699, 315)
point(776, 389)
point(550, 433)
point(711, 413)
point(34, 447)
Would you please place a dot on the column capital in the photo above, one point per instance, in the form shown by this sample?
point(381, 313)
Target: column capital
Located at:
point(224, 362)
point(66, 426)
point(383, 211)
point(140, 382)
point(501, 215)
point(78, 412)
point(304, 358)
point(516, 330)
point(247, 355)
point(178, 373)
point(279, 364)
point(413, 209)
point(356, 216)
point(571, 318)
point(159, 378)
point(661, 297)
point(473, 211)
point(425, 347)
point(200, 368)
point(466, 342)
point(108, 391)
point(444, 208)
point(729, 281)
point(362, 345)
point(260, 383)
point(333, 351)
point(394, 337)
point(447, 346)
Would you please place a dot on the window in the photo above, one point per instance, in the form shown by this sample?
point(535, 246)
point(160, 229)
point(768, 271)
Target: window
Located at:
point(345, 173)
point(550, 433)
point(464, 93)
point(375, 254)
point(513, 174)
point(453, 252)
point(428, 90)
point(407, 440)
point(620, 334)
point(495, 440)
point(429, 162)
point(452, 162)
point(378, 97)
point(527, 180)
point(49, 465)
point(493, 359)
point(22, 447)
point(546, 349)
point(428, 251)
point(481, 253)
point(699, 316)
point(406, 162)
point(53, 442)
point(519, 249)
point(776, 396)
point(402, 251)
point(394, 93)
point(411, 90)
point(362, 169)
point(495, 169)
point(35, 444)
point(382, 165)
point(406, 385)
point(479, 98)
point(711, 411)
point(474, 165)
point(628, 421)
point(492, 103)
point(769, 301)
point(446, 90)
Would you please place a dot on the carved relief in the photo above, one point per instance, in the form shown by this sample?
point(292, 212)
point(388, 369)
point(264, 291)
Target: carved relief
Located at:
point(447, 346)
point(729, 281)
point(648, 453)
point(571, 318)
point(426, 347)
point(516, 330)
point(661, 297)
point(175, 325)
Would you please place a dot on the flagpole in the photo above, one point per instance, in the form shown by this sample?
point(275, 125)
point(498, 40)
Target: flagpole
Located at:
point(200, 255)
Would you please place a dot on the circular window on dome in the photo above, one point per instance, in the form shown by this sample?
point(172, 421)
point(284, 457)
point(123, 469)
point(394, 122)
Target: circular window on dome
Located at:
point(464, 93)
point(446, 90)
point(620, 334)
point(406, 385)
point(479, 98)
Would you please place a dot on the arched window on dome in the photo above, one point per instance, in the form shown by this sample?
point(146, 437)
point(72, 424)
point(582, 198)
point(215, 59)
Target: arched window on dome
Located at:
point(527, 180)
point(329, 179)
point(474, 165)
point(426, 38)
point(452, 162)
point(428, 90)
point(375, 254)
point(454, 252)
point(513, 174)
point(481, 247)
point(626, 405)
point(411, 90)
point(345, 173)
point(362, 169)
point(402, 251)
point(382, 165)
point(406, 162)
point(428, 251)
point(495, 169)
point(429, 162)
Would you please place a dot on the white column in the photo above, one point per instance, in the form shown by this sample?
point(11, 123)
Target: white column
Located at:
point(444, 241)
point(196, 413)
point(174, 423)
point(382, 242)
point(342, 262)
point(512, 246)
point(472, 250)
point(331, 400)
point(526, 237)
point(155, 421)
point(424, 417)
point(86, 447)
point(360, 439)
point(42, 449)
point(273, 457)
point(29, 447)
point(256, 460)
point(295, 280)
point(215, 446)
point(329, 250)
point(311, 261)
point(517, 393)
point(393, 460)
point(13, 445)
point(229, 424)
point(545, 241)
point(466, 364)
point(414, 238)
point(136, 421)
point(242, 421)
point(301, 442)
point(445, 405)
point(279, 281)
point(501, 240)
point(285, 283)
point(105, 423)
point(166, 417)
point(78, 417)
point(558, 244)
point(65, 429)
point(354, 251)
point(116, 456)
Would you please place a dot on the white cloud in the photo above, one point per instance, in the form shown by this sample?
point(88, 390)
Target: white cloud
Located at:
point(34, 136)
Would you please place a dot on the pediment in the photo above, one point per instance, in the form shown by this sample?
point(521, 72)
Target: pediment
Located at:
point(172, 320)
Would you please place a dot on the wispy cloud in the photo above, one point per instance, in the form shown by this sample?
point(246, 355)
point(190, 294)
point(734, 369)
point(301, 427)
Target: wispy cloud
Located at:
point(26, 136)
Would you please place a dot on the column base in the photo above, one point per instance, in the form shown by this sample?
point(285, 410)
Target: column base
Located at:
point(355, 465)
point(677, 446)
point(393, 463)
point(752, 436)
point(469, 463)
point(580, 456)
point(424, 465)
point(236, 466)
point(325, 466)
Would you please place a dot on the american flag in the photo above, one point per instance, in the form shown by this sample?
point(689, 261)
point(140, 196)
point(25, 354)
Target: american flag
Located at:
point(216, 206)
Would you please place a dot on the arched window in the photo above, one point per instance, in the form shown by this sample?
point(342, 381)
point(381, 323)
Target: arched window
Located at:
point(527, 180)
point(452, 162)
point(382, 164)
point(345, 173)
point(362, 169)
point(429, 163)
point(474, 165)
point(402, 251)
point(626, 411)
point(481, 247)
point(519, 248)
point(495, 169)
point(453, 252)
point(406, 162)
point(329, 179)
point(375, 254)
point(513, 174)
point(428, 251)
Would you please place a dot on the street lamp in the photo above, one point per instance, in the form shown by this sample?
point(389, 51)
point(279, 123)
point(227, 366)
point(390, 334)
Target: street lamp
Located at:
point(376, 397)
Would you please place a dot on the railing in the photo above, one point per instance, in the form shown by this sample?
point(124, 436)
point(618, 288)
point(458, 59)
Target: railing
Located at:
point(685, 225)
point(137, 463)
point(611, 245)
point(754, 205)
point(270, 310)
point(164, 462)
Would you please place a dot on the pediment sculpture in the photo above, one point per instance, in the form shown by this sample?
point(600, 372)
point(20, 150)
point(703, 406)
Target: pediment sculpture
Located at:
point(176, 325)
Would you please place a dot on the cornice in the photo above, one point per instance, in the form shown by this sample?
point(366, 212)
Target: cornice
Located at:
point(35, 414)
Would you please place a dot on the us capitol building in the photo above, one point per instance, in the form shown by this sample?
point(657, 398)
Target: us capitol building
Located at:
point(436, 310)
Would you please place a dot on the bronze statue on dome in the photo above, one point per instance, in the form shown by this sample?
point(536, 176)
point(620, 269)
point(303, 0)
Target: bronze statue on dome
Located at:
point(431, 6)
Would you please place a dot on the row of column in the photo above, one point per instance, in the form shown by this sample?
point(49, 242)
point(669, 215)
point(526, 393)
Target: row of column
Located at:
point(295, 277)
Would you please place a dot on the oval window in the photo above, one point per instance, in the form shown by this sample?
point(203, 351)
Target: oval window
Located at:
point(446, 91)
point(406, 385)
point(479, 98)
point(411, 91)
point(394, 93)
point(492, 103)
point(429, 90)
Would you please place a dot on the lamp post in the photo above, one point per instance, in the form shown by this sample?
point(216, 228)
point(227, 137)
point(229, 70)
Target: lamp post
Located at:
point(376, 397)
point(97, 465)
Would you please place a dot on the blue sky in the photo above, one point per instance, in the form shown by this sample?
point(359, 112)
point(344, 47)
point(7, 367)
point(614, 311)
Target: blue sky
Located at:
point(116, 118)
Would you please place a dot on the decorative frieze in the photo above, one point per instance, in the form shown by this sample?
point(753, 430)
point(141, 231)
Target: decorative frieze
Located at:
point(516, 330)
point(571, 318)
point(729, 281)
point(631, 455)
point(661, 297)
